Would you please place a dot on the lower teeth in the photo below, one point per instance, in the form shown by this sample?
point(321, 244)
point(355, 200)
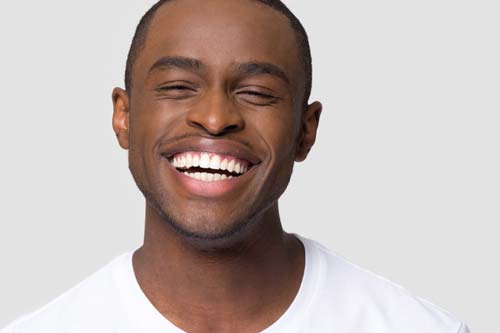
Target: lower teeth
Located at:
point(207, 177)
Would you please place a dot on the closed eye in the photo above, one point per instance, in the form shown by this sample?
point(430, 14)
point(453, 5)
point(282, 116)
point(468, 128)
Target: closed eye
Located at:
point(175, 87)
point(255, 93)
point(176, 91)
point(257, 98)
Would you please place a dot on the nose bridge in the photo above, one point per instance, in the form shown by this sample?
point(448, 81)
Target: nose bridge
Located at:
point(215, 113)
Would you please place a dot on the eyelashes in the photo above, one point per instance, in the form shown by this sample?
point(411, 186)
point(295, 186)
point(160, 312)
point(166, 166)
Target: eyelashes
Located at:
point(174, 87)
point(258, 98)
point(185, 91)
point(176, 91)
point(255, 93)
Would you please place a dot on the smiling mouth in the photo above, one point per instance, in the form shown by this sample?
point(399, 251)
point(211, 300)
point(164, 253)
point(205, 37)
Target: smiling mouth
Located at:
point(209, 167)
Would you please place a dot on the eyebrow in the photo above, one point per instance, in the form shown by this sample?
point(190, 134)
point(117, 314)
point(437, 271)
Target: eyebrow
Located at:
point(195, 65)
point(177, 62)
point(256, 68)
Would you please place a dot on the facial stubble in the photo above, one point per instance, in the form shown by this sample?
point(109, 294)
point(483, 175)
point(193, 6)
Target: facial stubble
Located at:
point(158, 201)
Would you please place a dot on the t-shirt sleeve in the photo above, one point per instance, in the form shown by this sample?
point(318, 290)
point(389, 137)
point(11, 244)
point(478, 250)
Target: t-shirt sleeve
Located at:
point(463, 329)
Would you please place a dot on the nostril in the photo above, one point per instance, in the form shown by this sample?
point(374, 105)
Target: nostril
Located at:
point(196, 124)
point(231, 128)
point(216, 121)
point(217, 131)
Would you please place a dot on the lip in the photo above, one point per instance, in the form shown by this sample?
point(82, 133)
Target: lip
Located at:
point(199, 188)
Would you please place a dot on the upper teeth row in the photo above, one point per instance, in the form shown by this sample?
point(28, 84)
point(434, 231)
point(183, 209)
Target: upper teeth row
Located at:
point(204, 161)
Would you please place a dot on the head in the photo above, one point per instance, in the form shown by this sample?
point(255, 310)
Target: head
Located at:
point(216, 112)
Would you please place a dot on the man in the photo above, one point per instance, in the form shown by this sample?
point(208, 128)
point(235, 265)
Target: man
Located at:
point(214, 115)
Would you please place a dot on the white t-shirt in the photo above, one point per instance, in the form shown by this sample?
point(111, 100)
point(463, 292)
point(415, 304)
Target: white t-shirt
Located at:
point(334, 296)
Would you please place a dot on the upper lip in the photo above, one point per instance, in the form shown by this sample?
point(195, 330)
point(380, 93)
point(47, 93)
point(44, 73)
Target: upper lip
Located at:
point(216, 146)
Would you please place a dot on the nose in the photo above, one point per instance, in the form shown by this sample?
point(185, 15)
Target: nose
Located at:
point(216, 114)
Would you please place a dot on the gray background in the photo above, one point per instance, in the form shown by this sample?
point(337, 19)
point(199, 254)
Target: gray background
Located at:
point(403, 180)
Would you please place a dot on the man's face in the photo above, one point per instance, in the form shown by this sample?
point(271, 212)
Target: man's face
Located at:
point(214, 121)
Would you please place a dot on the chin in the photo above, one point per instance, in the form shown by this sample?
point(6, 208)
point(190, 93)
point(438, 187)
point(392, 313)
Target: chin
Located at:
point(207, 229)
point(211, 233)
point(208, 233)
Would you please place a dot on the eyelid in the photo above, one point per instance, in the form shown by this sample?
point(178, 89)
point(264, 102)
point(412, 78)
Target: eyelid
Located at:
point(255, 93)
point(177, 84)
point(257, 98)
point(265, 92)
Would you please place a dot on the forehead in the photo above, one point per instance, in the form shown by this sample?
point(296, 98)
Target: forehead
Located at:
point(221, 33)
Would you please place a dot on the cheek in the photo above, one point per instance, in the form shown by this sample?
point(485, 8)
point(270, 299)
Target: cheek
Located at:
point(146, 125)
point(150, 121)
point(281, 130)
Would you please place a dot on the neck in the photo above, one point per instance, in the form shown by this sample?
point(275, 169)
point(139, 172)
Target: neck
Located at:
point(245, 285)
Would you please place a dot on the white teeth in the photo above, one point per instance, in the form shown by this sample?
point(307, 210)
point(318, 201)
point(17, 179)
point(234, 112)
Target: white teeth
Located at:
point(196, 160)
point(230, 166)
point(204, 161)
point(223, 165)
point(206, 177)
point(189, 161)
point(215, 162)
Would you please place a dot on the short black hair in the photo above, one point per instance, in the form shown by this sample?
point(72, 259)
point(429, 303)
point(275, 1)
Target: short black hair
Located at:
point(141, 32)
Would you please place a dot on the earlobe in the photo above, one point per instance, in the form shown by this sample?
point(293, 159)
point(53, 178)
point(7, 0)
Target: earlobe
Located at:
point(121, 116)
point(310, 122)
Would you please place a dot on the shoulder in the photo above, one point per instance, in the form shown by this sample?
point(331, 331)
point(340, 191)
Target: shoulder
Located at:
point(373, 303)
point(83, 303)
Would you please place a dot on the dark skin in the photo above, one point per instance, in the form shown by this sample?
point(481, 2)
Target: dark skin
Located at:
point(224, 80)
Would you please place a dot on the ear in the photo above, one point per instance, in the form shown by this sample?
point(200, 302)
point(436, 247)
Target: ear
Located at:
point(310, 122)
point(121, 116)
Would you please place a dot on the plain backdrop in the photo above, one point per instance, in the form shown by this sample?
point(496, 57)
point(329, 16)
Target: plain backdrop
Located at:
point(404, 178)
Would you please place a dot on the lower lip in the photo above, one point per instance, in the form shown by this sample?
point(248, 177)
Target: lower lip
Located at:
point(209, 189)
